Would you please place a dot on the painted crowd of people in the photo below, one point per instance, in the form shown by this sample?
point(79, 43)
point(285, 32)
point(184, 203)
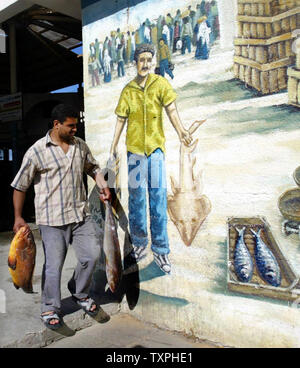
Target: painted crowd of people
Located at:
point(197, 27)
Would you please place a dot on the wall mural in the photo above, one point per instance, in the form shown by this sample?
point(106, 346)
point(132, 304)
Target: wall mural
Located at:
point(112, 50)
point(200, 132)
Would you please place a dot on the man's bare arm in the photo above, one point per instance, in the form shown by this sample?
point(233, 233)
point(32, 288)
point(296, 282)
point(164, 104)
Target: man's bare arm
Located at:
point(173, 115)
point(18, 201)
point(118, 130)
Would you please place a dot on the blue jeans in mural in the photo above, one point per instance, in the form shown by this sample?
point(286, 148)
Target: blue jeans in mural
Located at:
point(202, 51)
point(148, 173)
point(132, 55)
point(186, 44)
point(164, 68)
point(121, 71)
point(164, 37)
point(107, 77)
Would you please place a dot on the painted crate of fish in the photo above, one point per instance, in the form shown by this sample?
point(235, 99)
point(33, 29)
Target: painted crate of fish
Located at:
point(263, 46)
point(265, 80)
point(256, 27)
point(256, 264)
point(265, 8)
point(253, 28)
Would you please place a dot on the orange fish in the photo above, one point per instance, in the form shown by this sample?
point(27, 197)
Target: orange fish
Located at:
point(21, 260)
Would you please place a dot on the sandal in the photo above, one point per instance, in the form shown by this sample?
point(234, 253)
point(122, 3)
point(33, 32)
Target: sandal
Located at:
point(86, 304)
point(47, 318)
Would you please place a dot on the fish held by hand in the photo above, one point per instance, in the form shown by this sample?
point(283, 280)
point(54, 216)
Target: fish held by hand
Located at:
point(21, 259)
point(111, 248)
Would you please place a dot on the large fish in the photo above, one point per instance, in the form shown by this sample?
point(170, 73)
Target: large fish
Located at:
point(111, 248)
point(266, 262)
point(243, 264)
point(188, 207)
point(21, 259)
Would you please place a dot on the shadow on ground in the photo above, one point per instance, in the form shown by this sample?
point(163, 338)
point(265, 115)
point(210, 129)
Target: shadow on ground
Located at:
point(195, 94)
point(259, 120)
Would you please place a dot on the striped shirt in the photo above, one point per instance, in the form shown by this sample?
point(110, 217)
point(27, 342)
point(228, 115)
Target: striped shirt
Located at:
point(60, 196)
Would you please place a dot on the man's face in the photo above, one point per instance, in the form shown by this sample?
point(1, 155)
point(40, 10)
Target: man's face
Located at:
point(144, 64)
point(67, 129)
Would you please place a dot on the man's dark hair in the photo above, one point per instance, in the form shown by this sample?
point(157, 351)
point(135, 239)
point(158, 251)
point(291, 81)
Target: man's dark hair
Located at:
point(145, 47)
point(63, 111)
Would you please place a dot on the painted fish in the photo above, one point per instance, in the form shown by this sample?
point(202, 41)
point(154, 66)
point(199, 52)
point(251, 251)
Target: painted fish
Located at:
point(242, 258)
point(21, 260)
point(266, 262)
point(188, 207)
point(112, 251)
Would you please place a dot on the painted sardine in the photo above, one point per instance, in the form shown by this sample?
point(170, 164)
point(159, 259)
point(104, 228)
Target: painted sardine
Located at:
point(21, 259)
point(111, 248)
point(266, 262)
point(243, 264)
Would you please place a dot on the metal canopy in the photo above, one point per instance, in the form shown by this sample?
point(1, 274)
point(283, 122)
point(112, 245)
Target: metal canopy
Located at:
point(45, 61)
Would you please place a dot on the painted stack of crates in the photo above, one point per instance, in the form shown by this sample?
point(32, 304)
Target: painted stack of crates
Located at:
point(263, 47)
point(294, 78)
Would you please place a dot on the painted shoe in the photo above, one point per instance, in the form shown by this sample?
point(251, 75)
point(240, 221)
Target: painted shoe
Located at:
point(138, 253)
point(162, 261)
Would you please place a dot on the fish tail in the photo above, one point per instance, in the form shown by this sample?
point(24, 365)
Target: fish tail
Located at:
point(257, 234)
point(240, 231)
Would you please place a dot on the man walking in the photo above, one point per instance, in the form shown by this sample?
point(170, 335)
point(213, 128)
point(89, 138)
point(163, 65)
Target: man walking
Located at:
point(56, 164)
point(186, 35)
point(141, 104)
point(164, 59)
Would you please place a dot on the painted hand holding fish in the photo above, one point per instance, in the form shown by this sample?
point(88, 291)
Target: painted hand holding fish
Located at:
point(186, 138)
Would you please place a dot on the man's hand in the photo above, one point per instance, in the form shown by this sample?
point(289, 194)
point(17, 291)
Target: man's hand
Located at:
point(105, 195)
point(185, 137)
point(20, 222)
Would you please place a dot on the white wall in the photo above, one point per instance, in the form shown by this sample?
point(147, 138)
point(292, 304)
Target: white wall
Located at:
point(227, 18)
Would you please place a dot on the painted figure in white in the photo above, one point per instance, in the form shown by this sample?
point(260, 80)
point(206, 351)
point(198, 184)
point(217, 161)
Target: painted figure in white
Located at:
point(107, 66)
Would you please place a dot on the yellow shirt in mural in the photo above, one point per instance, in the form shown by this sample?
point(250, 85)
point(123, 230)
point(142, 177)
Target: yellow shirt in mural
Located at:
point(144, 110)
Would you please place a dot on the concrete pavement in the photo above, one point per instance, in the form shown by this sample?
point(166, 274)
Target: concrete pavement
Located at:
point(20, 324)
point(21, 327)
point(124, 331)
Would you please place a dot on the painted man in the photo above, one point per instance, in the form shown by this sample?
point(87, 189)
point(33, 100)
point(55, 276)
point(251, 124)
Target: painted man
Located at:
point(141, 105)
point(56, 164)
point(186, 35)
point(164, 59)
